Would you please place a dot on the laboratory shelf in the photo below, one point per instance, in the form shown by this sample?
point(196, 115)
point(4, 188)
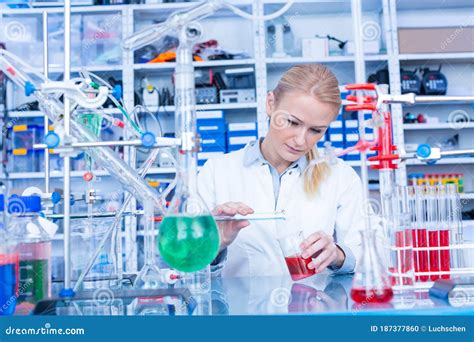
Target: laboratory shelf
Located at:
point(161, 11)
point(375, 58)
point(217, 106)
point(447, 161)
point(302, 7)
point(59, 8)
point(459, 56)
point(53, 174)
point(446, 125)
point(433, 4)
point(79, 174)
point(203, 64)
point(39, 114)
point(26, 114)
point(290, 61)
point(161, 170)
point(447, 103)
point(55, 69)
point(467, 195)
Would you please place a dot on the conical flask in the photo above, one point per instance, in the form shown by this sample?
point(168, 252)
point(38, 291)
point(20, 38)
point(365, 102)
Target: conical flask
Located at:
point(371, 283)
point(189, 238)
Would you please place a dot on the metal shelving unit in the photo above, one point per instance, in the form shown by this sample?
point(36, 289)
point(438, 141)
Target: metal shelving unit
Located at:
point(203, 64)
point(437, 126)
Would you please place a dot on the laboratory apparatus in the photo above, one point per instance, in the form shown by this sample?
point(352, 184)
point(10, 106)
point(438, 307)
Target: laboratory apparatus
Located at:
point(34, 248)
point(9, 267)
point(400, 243)
point(428, 206)
point(74, 107)
point(297, 265)
point(188, 238)
point(371, 284)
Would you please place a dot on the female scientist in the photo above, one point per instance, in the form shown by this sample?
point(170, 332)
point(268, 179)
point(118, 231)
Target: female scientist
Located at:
point(269, 175)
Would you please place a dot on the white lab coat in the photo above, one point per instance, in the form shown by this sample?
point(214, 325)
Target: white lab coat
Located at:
point(337, 209)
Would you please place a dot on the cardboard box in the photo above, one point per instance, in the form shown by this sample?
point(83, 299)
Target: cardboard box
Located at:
point(436, 39)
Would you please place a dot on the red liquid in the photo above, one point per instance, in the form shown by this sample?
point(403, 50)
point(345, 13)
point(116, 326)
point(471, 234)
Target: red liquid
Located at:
point(415, 254)
point(444, 254)
point(298, 267)
point(422, 256)
point(434, 254)
point(362, 295)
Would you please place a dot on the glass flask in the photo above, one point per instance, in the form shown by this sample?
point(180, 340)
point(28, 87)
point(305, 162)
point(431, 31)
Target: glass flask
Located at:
point(189, 238)
point(371, 284)
point(34, 247)
point(9, 268)
point(150, 275)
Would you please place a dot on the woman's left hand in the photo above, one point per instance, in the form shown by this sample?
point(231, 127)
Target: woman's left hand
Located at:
point(321, 247)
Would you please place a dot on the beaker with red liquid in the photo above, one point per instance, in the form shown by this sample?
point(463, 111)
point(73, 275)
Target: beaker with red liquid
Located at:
point(297, 265)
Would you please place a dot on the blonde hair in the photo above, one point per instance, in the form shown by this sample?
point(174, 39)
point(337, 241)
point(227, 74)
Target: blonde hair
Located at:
point(318, 81)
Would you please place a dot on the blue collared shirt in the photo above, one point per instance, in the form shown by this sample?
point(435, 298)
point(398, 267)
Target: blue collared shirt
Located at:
point(253, 155)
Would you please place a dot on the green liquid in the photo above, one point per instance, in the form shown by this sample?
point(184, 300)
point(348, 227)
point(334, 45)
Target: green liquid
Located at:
point(34, 280)
point(188, 244)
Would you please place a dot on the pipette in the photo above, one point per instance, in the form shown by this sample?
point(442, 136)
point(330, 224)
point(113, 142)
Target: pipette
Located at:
point(277, 215)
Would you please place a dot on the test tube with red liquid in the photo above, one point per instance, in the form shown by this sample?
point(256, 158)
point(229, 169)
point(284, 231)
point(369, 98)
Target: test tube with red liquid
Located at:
point(433, 225)
point(444, 232)
point(420, 234)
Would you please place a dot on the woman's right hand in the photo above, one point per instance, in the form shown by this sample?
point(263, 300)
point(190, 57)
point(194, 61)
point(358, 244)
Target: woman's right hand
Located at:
point(230, 229)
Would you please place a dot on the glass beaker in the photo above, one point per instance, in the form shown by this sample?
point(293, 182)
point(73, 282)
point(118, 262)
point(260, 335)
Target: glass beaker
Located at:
point(297, 265)
point(371, 284)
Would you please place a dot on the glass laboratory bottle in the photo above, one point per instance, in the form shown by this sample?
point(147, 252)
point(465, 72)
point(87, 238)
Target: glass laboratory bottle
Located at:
point(8, 268)
point(371, 284)
point(34, 248)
